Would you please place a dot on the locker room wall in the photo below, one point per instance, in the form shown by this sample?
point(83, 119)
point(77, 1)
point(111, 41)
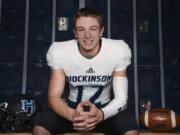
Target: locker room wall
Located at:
point(151, 28)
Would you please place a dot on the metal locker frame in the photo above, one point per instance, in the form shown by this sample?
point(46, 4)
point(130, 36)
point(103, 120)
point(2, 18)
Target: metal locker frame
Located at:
point(161, 54)
point(82, 3)
point(0, 10)
point(24, 74)
point(53, 21)
point(136, 87)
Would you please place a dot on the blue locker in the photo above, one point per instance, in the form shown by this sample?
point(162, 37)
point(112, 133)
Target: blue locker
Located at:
point(102, 8)
point(37, 52)
point(149, 86)
point(122, 20)
point(12, 20)
point(40, 21)
point(11, 52)
point(37, 82)
point(65, 9)
point(148, 53)
point(10, 80)
point(172, 86)
point(171, 53)
point(39, 40)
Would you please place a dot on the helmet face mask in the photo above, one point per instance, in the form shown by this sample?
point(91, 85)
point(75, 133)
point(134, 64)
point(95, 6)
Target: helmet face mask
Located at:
point(18, 113)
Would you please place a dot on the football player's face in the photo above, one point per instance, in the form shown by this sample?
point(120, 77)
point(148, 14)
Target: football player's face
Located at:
point(88, 33)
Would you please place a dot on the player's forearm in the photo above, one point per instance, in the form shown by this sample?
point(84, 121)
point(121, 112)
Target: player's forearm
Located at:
point(120, 88)
point(113, 108)
point(61, 108)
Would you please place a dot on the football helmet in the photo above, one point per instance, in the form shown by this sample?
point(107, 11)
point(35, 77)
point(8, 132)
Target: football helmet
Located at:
point(17, 113)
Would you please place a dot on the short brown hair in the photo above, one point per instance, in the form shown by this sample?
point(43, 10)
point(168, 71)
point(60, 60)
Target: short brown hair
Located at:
point(88, 12)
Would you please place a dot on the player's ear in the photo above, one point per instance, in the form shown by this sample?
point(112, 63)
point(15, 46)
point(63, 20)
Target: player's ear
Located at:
point(102, 31)
point(75, 34)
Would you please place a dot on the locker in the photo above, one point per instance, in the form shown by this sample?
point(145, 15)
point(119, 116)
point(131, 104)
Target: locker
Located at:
point(121, 27)
point(12, 28)
point(10, 79)
point(65, 9)
point(40, 30)
point(40, 21)
point(171, 50)
point(41, 7)
point(149, 85)
point(37, 82)
point(122, 20)
point(17, 4)
point(148, 53)
point(37, 52)
point(172, 85)
point(171, 53)
point(171, 8)
point(11, 52)
point(147, 8)
point(102, 7)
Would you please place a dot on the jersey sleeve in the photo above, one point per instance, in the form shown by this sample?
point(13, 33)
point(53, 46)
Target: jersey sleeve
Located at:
point(53, 58)
point(124, 56)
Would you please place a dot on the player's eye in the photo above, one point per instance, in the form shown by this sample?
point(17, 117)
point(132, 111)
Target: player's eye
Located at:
point(79, 29)
point(94, 28)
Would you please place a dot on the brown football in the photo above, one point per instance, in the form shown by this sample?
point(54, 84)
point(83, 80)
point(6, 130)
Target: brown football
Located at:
point(160, 119)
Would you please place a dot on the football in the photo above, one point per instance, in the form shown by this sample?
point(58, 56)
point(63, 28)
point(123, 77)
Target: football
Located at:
point(161, 120)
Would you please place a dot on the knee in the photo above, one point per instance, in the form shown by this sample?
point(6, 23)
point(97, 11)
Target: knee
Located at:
point(38, 130)
point(132, 132)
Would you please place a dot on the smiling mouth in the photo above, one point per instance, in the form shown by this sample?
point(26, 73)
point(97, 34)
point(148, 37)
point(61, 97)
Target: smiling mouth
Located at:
point(88, 42)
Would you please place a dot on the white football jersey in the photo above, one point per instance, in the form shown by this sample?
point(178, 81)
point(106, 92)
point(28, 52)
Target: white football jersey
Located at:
point(89, 78)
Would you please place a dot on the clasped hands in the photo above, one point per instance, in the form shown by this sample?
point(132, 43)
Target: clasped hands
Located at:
point(84, 121)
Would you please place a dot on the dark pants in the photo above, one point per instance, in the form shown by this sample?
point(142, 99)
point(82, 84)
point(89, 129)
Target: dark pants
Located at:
point(116, 125)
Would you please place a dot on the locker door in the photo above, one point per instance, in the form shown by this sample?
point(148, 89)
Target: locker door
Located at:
point(11, 47)
point(101, 6)
point(148, 56)
point(39, 40)
point(65, 10)
point(122, 28)
point(171, 49)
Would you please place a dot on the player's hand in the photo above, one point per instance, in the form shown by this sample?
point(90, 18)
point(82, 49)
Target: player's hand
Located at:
point(80, 119)
point(87, 120)
point(94, 116)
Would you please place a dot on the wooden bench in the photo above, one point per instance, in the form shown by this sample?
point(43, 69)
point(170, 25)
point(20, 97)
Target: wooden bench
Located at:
point(141, 133)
